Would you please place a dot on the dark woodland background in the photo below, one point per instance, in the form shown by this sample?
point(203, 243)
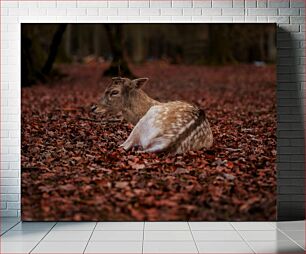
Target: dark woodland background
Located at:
point(72, 166)
point(200, 44)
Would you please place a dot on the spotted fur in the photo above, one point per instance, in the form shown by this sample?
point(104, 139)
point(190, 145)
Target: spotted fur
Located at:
point(175, 127)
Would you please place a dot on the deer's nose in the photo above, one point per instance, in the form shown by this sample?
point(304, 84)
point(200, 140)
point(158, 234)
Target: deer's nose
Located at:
point(93, 108)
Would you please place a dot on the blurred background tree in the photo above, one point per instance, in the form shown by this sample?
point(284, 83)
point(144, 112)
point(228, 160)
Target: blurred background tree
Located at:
point(124, 45)
point(39, 47)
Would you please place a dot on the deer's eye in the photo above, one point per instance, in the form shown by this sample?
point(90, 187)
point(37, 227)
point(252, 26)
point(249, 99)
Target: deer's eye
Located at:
point(113, 93)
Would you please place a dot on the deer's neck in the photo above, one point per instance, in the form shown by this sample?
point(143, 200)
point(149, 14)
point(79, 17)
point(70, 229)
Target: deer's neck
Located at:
point(136, 106)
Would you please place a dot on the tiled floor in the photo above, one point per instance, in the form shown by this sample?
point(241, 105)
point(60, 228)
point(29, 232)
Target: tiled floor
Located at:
point(152, 237)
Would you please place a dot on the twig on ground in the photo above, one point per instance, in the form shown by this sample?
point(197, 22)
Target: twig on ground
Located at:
point(233, 149)
point(99, 121)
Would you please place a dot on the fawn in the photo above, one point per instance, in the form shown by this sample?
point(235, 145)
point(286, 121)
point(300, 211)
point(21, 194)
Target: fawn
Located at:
point(174, 127)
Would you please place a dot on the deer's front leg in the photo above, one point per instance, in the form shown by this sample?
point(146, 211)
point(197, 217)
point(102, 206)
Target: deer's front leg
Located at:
point(132, 140)
point(144, 132)
point(128, 144)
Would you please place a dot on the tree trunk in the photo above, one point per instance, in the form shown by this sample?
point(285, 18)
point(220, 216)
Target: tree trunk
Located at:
point(27, 67)
point(68, 41)
point(57, 38)
point(220, 46)
point(119, 65)
point(271, 49)
point(261, 45)
point(30, 68)
point(137, 45)
point(97, 40)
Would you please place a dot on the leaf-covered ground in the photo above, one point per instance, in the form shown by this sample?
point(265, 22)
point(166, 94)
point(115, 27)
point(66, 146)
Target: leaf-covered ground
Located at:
point(72, 168)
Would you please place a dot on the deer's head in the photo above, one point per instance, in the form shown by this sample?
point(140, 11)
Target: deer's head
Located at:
point(117, 94)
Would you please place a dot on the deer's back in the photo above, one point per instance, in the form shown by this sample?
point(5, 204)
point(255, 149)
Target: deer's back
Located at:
point(178, 126)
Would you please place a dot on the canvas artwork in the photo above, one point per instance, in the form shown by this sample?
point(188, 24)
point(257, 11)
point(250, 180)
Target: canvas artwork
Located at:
point(148, 122)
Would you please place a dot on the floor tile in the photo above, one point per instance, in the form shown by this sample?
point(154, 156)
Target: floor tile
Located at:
point(276, 247)
point(3, 230)
point(17, 247)
point(22, 236)
point(7, 225)
point(297, 236)
point(120, 226)
point(221, 226)
point(169, 247)
point(114, 247)
point(216, 236)
point(273, 224)
point(223, 247)
point(301, 243)
point(291, 225)
point(101, 236)
point(9, 220)
point(273, 235)
point(63, 226)
point(166, 226)
point(60, 247)
point(33, 226)
point(167, 236)
point(258, 225)
point(69, 236)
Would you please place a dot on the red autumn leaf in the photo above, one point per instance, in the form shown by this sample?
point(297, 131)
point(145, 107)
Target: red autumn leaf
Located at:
point(230, 164)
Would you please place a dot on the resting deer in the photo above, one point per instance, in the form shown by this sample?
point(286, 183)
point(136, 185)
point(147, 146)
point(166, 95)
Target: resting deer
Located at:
point(174, 127)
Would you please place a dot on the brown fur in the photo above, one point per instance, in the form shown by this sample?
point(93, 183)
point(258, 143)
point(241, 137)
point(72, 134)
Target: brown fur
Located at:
point(136, 104)
point(131, 100)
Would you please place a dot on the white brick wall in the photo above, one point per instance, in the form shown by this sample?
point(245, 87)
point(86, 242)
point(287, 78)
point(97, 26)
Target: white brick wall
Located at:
point(289, 14)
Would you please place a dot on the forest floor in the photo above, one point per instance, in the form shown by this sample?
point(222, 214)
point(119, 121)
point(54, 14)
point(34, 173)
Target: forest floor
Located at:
point(73, 168)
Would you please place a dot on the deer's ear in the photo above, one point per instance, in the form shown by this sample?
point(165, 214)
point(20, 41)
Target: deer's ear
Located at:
point(138, 83)
point(116, 78)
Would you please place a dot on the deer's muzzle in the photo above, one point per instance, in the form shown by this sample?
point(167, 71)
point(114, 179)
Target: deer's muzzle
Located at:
point(98, 109)
point(93, 108)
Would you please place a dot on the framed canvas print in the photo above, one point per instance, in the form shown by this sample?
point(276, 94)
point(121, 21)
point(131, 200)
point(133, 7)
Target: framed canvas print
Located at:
point(154, 122)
